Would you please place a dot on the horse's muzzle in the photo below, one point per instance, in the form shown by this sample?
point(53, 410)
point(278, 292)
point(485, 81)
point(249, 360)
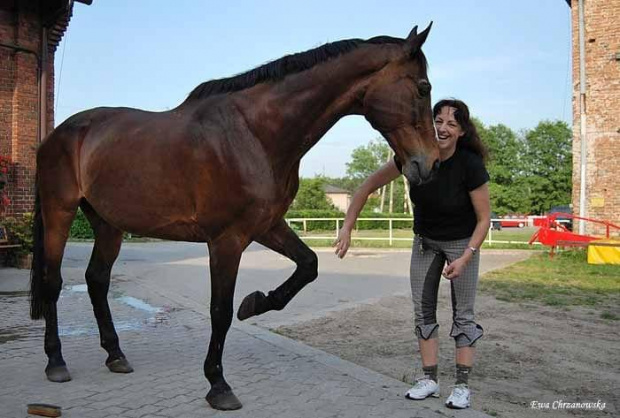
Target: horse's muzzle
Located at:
point(419, 172)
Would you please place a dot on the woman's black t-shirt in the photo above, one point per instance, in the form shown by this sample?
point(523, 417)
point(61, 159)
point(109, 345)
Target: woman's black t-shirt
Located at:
point(442, 208)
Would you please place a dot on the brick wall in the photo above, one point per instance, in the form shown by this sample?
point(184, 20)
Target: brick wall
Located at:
point(19, 100)
point(602, 35)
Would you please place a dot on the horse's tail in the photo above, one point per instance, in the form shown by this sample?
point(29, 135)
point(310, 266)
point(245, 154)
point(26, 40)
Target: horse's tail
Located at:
point(38, 305)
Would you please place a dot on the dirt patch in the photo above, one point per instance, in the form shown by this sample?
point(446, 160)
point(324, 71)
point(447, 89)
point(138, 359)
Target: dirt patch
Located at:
point(529, 352)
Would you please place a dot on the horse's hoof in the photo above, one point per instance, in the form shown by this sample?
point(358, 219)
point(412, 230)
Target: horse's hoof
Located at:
point(120, 365)
point(57, 374)
point(224, 401)
point(253, 304)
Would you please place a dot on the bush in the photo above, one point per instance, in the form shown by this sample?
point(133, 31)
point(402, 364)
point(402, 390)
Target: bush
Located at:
point(364, 225)
point(19, 231)
point(80, 228)
point(314, 213)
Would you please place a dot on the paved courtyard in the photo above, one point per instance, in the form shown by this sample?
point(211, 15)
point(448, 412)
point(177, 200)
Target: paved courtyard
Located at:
point(165, 339)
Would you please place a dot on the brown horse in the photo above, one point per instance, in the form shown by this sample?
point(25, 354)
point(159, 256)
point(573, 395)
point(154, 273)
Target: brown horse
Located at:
point(221, 168)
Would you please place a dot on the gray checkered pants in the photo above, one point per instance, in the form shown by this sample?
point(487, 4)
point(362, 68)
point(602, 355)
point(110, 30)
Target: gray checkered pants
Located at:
point(427, 262)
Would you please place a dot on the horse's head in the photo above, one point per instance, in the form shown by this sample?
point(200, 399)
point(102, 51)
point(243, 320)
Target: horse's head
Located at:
point(397, 103)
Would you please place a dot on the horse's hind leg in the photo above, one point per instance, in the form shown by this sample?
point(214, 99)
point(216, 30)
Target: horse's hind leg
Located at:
point(283, 240)
point(57, 223)
point(108, 240)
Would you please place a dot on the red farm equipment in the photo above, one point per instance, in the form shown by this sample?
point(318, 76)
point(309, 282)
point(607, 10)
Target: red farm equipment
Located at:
point(554, 234)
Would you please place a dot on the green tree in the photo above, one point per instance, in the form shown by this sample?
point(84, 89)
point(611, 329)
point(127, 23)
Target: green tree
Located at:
point(548, 165)
point(311, 195)
point(366, 159)
point(509, 192)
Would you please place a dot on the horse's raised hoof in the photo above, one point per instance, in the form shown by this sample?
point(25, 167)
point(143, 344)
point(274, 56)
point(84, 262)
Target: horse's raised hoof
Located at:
point(57, 374)
point(224, 401)
point(253, 304)
point(120, 365)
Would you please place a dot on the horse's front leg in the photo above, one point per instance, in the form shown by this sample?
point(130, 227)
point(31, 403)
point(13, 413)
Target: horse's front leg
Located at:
point(282, 239)
point(225, 255)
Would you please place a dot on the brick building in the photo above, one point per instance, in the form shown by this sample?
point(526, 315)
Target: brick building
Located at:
point(30, 31)
point(602, 106)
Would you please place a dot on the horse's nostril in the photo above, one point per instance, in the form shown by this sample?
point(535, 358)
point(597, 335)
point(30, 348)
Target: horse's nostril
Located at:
point(436, 165)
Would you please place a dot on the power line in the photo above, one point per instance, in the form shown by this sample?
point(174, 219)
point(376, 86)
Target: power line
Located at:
point(62, 61)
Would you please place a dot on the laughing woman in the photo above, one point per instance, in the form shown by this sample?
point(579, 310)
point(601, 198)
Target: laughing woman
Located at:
point(451, 220)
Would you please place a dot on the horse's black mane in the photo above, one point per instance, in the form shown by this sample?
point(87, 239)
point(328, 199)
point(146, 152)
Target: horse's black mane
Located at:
point(289, 64)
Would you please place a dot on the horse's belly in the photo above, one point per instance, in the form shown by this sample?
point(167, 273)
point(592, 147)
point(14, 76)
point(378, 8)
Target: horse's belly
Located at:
point(177, 214)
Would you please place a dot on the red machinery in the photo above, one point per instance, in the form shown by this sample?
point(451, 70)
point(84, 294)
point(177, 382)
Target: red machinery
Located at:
point(552, 233)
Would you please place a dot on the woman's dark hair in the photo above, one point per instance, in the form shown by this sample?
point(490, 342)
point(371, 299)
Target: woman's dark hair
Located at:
point(470, 139)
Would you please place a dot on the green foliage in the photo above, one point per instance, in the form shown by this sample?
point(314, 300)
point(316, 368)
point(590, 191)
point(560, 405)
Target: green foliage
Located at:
point(530, 173)
point(19, 231)
point(331, 225)
point(508, 192)
point(374, 202)
point(311, 195)
point(610, 316)
point(366, 225)
point(549, 165)
point(80, 228)
point(314, 213)
point(398, 197)
point(367, 159)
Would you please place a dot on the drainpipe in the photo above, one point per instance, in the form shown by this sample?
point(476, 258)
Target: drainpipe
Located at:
point(582, 118)
point(43, 87)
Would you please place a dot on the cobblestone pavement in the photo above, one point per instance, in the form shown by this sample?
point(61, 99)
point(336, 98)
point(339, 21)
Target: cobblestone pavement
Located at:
point(166, 343)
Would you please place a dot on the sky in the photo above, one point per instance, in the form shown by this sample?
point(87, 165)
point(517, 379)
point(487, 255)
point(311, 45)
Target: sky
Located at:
point(509, 61)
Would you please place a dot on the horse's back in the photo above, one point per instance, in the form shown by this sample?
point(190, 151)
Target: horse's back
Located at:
point(68, 136)
point(170, 174)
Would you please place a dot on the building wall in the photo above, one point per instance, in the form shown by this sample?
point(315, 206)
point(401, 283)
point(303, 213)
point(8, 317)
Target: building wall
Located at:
point(19, 100)
point(340, 200)
point(602, 35)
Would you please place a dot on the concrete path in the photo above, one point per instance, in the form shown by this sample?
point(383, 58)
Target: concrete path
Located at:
point(159, 302)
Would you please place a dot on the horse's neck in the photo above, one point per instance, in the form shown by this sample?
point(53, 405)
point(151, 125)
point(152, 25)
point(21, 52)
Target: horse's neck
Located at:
point(291, 116)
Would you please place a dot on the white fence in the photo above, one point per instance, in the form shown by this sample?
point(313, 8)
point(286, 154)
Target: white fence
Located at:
point(390, 238)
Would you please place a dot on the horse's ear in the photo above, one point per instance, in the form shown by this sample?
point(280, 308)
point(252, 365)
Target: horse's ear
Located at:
point(415, 41)
point(412, 34)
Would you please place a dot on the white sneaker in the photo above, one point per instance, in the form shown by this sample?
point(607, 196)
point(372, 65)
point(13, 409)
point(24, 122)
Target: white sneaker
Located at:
point(459, 398)
point(423, 388)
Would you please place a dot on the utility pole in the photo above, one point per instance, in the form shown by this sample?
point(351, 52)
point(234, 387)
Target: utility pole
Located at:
point(408, 204)
point(383, 189)
point(390, 156)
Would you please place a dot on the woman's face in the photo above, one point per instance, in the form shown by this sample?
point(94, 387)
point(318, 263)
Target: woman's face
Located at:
point(448, 131)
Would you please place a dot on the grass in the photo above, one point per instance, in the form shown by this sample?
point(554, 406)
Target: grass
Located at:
point(566, 280)
point(610, 316)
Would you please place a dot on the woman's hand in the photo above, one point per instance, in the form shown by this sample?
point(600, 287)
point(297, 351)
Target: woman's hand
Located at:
point(343, 242)
point(455, 268)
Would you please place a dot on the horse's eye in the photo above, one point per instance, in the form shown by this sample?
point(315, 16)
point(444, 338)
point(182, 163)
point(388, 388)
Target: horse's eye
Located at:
point(424, 87)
